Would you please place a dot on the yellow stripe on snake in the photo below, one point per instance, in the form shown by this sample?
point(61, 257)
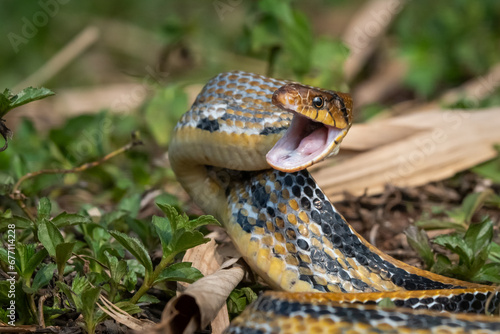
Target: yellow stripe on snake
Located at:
point(241, 153)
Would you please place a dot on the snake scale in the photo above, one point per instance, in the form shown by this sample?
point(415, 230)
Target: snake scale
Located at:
point(241, 152)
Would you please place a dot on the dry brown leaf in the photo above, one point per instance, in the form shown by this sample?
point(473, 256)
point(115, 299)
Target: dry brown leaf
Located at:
point(201, 301)
point(442, 144)
point(204, 257)
point(363, 137)
point(207, 258)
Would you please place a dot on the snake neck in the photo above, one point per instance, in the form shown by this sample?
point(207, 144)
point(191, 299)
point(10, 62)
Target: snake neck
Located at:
point(292, 235)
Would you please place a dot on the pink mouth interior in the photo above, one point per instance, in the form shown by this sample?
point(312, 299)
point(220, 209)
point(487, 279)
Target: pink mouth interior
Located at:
point(304, 143)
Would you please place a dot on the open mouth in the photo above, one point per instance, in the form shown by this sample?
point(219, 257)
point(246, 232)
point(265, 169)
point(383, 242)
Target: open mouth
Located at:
point(304, 143)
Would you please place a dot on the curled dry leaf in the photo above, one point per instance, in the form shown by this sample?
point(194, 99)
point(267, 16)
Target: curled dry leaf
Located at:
point(207, 258)
point(202, 300)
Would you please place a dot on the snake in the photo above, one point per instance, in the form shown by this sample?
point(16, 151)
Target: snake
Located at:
point(241, 152)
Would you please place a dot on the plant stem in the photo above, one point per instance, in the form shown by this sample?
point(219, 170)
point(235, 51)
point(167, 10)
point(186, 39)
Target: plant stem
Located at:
point(148, 281)
point(31, 300)
point(18, 196)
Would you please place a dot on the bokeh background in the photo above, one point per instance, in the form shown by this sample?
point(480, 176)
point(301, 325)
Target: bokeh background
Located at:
point(123, 66)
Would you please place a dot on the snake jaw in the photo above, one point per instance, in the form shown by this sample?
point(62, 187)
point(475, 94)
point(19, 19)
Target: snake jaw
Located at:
point(315, 131)
point(305, 143)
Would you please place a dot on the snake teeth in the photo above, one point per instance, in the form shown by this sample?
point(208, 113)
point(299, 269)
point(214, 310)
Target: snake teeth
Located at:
point(305, 142)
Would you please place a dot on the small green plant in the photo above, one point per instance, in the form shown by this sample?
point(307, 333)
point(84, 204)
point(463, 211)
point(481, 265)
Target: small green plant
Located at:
point(239, 299)
point(475, 256)
point(102, 268)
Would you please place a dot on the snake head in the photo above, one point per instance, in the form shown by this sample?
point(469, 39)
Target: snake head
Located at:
point(321, 120)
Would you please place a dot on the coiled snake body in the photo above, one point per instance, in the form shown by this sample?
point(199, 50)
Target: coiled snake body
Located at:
point(241, 153)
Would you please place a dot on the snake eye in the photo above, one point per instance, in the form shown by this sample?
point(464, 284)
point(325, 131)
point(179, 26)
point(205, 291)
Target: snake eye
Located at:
point(318, 102)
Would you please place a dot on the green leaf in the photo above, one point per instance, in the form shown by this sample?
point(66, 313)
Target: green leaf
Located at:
point(172, 215)
point(149, 299)
point(488, 273)
point(69, 294)
point(181, 271)
point(69, 219)
point(327, 53)
point(473, 202)
point(28, 95)
point(33, 263)
point(188, 239)
point(5, 258)
point(437, 224)
point(250, 294)
point(177, 232)
point(113, 217)
point(386, 303)
point(28, 259)
point(89, 301)
point(200, 221)
point(239, 299)
point(179, 221)
point(479, 236)
point(43, 276)
point(44, 208)
point(131, 204)
point(494, 254)
point(18, 221)
point(9, 101)
point(134, 268)
point(420, 243)
point(49, 235)
point(80, 284)
point(457, 245)
point(279, 9)
point(4, 103)
point(442, 265)
point(24, 253)
point(164, 231)
point(117, 268)
point(136, 248)
point(63, 253)
point(298, 41)
point(74, 294)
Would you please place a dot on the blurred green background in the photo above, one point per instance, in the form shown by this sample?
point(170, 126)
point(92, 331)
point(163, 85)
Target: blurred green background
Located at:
point(141, 65)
